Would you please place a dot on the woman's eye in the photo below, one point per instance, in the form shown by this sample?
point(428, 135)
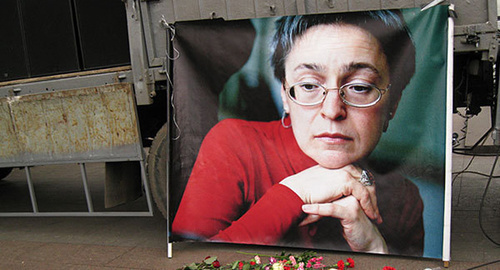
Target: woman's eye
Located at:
point(309, 87)
point(360, 88)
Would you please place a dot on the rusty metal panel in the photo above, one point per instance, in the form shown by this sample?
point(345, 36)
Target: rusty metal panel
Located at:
point(186, 10)
point(210, 9)
point(88, 124)
point(8, 135)
point(240, 9)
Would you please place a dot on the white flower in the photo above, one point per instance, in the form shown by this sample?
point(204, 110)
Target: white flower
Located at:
point(278, 266)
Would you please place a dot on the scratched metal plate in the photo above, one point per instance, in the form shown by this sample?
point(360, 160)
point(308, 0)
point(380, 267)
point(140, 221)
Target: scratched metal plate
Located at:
point(88, 124)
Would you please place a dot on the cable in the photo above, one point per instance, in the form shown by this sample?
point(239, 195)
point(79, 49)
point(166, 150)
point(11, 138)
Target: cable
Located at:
point(484, 196)
point(484, 264)
point(478, 173)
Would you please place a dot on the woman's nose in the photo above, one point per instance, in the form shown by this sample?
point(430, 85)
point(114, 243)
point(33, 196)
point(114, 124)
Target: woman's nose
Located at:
point(333, 107)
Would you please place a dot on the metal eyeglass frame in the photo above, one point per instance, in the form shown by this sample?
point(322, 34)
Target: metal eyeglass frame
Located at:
point(381, 92)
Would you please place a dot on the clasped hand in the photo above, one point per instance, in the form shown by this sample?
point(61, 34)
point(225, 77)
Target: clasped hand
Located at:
point(338, 193)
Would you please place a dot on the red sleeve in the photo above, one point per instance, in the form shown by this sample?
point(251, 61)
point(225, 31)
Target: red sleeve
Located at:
point(267, 221)
point(215, 204)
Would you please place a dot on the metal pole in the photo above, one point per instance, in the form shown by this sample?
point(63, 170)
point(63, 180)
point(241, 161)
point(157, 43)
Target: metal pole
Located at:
point(31, 190)
point(496, 128)
point(90, 206)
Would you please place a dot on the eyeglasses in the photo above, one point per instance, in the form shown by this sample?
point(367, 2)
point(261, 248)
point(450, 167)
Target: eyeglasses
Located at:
point(360, 95)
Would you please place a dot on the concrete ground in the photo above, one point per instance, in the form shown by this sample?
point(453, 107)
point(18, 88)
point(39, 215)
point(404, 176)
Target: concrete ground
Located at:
point(140, 242)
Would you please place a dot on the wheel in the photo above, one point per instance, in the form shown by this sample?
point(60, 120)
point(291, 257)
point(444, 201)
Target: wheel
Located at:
point(157, 169)
point(4, 172)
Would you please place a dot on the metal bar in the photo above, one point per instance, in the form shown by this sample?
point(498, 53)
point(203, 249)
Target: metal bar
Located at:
point(146, 188)
point(168, 111)
point(66, 83)
point(67, 161)
point(67, 75)
point(31, 190)
point(496, 128)
point(448, 158)
point(492, 13)
point(88, 197)
point(77, 214)
point(143, 85)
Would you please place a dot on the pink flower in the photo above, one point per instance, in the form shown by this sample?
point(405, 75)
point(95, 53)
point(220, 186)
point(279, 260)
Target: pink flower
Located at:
point(257, 259)
point(301, 266)
point(292, 259)
point(388, 268)
point(272, 260)
point(318, 266)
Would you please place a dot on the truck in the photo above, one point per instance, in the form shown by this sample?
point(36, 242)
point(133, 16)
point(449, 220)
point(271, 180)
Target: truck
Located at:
point(86, 81)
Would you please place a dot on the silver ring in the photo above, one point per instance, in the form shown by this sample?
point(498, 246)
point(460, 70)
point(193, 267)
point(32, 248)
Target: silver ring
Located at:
point(366, 178)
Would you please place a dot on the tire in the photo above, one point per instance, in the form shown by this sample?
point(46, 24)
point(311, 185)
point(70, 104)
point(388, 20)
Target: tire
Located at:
point(157, 170)
point(4, 172)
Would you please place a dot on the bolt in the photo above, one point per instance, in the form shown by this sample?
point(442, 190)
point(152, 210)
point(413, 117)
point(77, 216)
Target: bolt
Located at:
point(272, 9)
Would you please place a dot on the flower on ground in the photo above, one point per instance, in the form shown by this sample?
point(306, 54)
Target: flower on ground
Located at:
point(340, 265)
point(388, 268)
point(305, 261)
point(350, 263)
point(278, 266)
point(257, 259)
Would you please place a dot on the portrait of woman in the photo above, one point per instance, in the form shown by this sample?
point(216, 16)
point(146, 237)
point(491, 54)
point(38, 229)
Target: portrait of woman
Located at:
point(306, 180)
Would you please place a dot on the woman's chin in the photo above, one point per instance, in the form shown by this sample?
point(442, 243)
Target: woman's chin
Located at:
point(334, 162)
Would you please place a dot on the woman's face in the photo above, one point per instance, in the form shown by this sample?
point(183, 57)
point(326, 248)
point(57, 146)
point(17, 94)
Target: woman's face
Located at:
point(333, 133)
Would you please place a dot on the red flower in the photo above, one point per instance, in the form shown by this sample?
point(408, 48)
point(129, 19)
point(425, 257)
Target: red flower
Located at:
point(388, 268)
point(252, 263)
point(340, 265)
point(350, 262)
point(240, 265)
point(216, 264)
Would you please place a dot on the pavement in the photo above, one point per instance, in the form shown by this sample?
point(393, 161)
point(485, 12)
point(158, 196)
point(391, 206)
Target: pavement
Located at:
point(140, 242)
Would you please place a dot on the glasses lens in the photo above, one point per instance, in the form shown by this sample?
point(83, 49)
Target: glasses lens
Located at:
point(307, 93)
point(360, 93)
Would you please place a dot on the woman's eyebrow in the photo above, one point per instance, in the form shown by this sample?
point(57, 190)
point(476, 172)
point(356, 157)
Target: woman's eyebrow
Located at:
point(355, 66)
point(310, 66)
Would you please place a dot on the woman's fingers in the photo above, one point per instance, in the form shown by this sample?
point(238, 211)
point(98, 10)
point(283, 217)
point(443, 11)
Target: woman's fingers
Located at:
point(373, 198)
point(367, 198)
point(360, 233)
point(321, 209)
point(366, 195)
point(309, 220)
point(322, 185)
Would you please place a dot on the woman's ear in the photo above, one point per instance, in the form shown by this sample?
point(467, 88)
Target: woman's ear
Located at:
point(284, 99)
point(392, 112)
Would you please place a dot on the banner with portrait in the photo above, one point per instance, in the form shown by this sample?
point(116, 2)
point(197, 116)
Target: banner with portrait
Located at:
point(328, 93)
